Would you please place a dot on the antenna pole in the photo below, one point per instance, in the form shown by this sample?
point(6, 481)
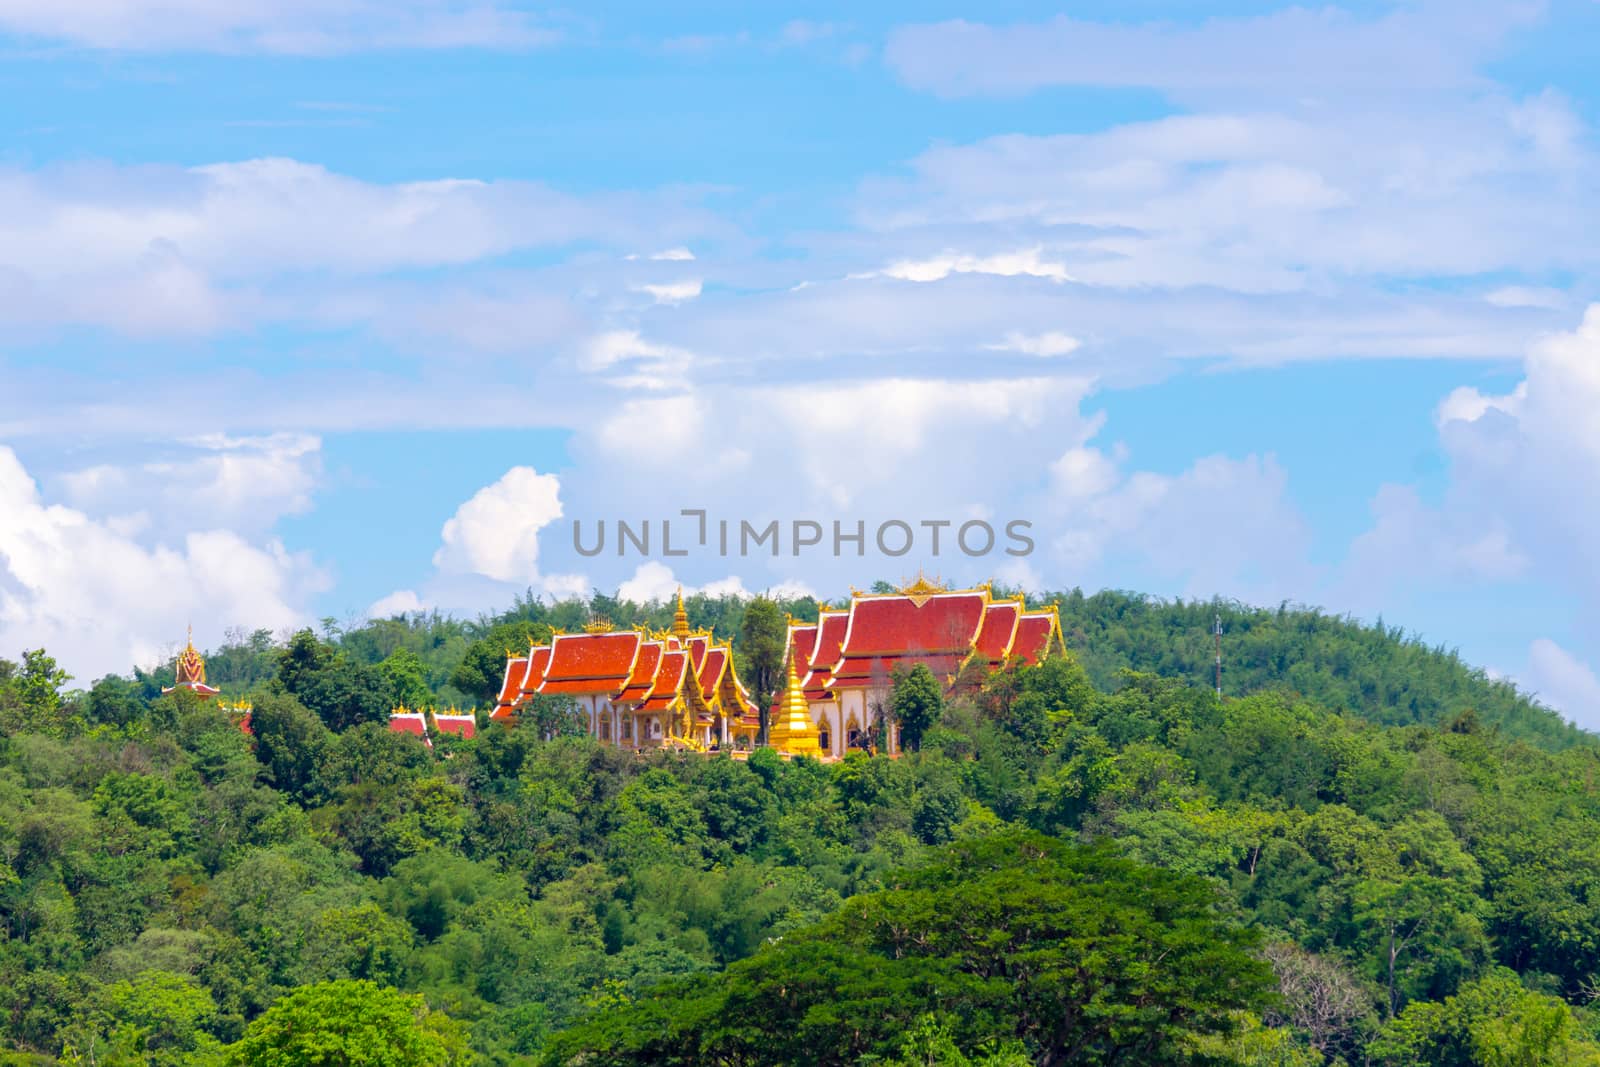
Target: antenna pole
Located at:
point(1218, 633)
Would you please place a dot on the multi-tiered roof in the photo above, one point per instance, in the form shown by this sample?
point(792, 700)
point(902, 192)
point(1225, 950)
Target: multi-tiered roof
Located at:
point(880, 635)
point(679, 672)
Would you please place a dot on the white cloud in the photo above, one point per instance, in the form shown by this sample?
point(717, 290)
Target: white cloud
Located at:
point(1051, 343)
point(1563, 681)
point(679, 254)
point(496, 533)
point(1527, 296)
point(399, 602)
point(673, 292)
point(241, 483)
point(101, 601)
point(655, 581)
point(1223, 526)
point(292, 27)
point(1426, 46)
point(162, 250)
point(1006, 264)
point(634, 363)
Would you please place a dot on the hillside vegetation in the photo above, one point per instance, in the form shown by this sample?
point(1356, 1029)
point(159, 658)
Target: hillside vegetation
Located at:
point(1081, 865)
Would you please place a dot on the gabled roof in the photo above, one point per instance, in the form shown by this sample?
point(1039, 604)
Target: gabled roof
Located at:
point(643, 678)
point(538, 665)
point(998, 630)
point(802, 643)
point(591, 663)
point(669, 677)
point(825, 653)
point(410, 722)
point(699, 645)
point(1038, 636)
point(892, 632)
point(462, 725)
point(712, 667)
point(511, 686)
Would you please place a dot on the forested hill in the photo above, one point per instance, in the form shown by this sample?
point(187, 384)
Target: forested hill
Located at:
point(1379, 673)
point(1053, 873)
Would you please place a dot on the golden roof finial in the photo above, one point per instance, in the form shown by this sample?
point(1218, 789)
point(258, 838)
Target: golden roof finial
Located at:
point(598, 625)
point(922, 587)
point(680, 618)
point(191, 666)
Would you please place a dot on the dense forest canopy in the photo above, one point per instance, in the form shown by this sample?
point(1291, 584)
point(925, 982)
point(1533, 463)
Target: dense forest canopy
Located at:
point(1365, 853)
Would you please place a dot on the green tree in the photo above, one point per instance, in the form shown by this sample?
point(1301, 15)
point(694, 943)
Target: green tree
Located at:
point(483, 668)
point(763, 641)
point(351, 1023)
point(916, 704)
point(407, 677)
point(1085, 957)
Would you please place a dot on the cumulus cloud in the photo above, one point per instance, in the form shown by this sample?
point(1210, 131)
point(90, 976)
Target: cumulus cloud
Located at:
point(243, 483)
point(1565, 682)
point(399, 602)
point(292, 27)
point(101, 600)
point(655, 581)
point(1224, 526)
point(496, 533)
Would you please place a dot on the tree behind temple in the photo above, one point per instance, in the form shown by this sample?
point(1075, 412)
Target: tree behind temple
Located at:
point(763, 638)
point(916, 705)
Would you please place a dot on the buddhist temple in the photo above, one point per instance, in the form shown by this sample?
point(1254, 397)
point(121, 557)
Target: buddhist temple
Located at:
point(848, 660)
point(678, 689)
point(638, 689)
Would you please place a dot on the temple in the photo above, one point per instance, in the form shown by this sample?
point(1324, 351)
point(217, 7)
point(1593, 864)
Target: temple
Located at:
point(848, 660)
point(190, 674)
point(638, 689)
point(678, 689)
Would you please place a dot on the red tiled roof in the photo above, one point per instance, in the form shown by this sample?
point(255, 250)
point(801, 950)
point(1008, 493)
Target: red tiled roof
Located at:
point(413, 722)
point(590, 663)
point(643, 678)
point(669, 676)
point(825, 654)
point(465, 725)
point(538, 664)
point(711, 669)
point(698, 645)
point(944, 622)
point(516, 670)
point(871, 670)
point(1035, 632)
point(802, 642)
point(998, 630)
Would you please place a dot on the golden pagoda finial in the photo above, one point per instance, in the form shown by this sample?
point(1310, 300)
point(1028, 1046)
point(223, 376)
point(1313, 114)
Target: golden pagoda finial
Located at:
point(598, 625)
point(680, 619)
point(922, 587)
point(791, 729)
point(191, 666)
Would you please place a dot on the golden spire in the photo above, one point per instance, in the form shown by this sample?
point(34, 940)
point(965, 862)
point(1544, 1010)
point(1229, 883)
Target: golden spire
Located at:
point(791, 729)
point(680, 619)
point(191, 666)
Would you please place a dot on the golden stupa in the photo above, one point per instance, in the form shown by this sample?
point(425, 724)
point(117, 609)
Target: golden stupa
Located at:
point(791, 730)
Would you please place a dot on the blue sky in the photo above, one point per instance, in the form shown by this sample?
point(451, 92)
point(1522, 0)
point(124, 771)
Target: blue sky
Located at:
point(326, 307)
